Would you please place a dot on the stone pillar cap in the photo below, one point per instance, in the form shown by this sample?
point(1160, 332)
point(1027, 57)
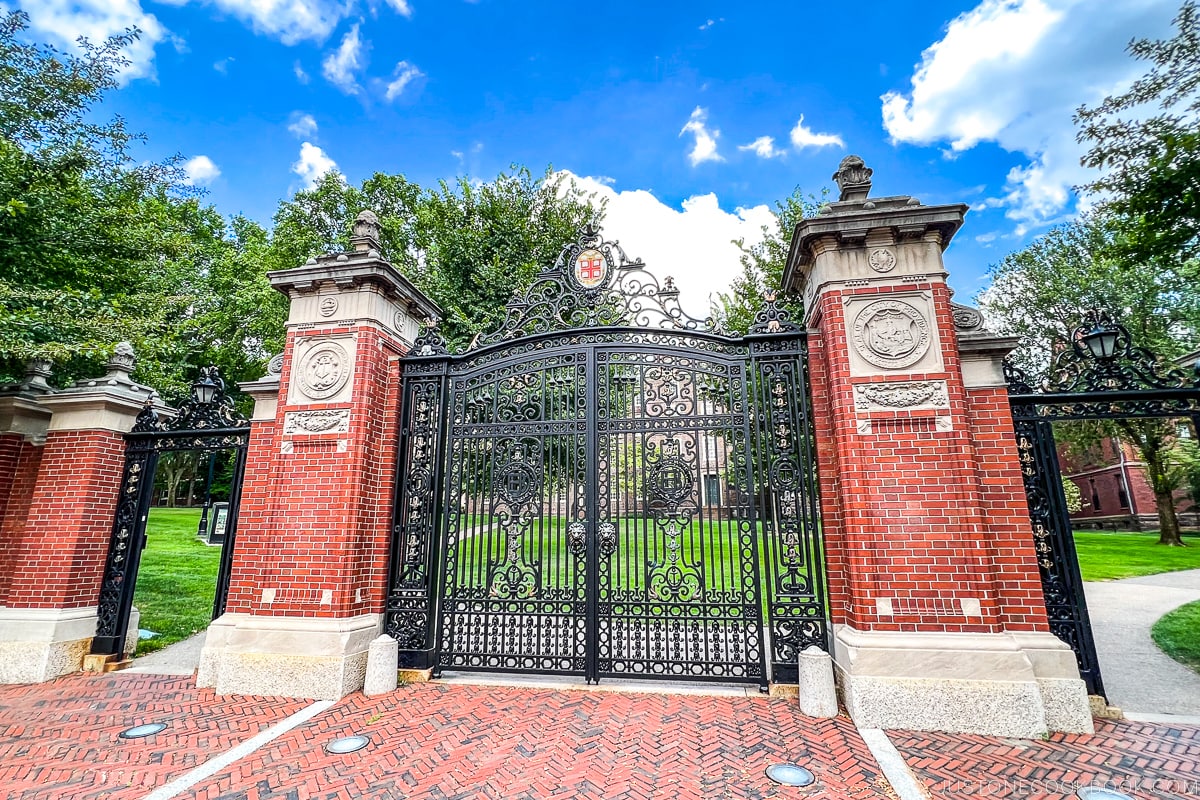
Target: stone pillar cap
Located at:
point(850, 221)
point(350, 270)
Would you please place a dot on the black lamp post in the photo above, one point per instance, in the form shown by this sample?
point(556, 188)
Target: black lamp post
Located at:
point(202, 530)
point(205, 389)
point(1101, 341)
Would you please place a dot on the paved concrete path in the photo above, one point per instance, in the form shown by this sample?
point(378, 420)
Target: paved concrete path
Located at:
point(181, 658)
point(1137, 675)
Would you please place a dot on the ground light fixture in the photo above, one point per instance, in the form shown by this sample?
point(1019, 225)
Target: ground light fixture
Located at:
point(142, 731)
point(1100, 793)
point(792, 775)
point(347, 744)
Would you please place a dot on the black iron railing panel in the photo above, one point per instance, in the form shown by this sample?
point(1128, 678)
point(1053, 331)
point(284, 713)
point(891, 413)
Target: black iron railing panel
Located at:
point(616, 489)
point(207, 422)
point(1099, 374)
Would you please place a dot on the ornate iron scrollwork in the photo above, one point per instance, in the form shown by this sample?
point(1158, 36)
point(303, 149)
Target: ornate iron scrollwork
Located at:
point(615, 489)
point(593, 283)
point(207, 421)
point(1099, 373)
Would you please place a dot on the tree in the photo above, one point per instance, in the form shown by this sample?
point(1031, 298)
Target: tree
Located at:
point(763, 264)
point(1146, 143)
point(468, 245)
point(95, 246)
point(1041, 292)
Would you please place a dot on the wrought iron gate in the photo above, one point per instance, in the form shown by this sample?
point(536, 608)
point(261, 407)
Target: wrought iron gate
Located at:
point(207, 422)
point(1102, 375)
point(604, 486)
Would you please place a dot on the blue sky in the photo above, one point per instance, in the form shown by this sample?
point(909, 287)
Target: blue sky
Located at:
point(663, 107)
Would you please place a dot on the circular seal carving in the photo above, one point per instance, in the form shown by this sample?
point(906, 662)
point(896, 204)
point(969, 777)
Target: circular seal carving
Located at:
point(891, 333)
point(882, 260)
point(329, 306)
point(324, 371)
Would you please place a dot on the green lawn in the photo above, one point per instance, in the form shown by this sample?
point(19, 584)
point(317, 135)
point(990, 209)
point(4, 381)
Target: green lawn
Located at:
point(1107, 556)
point(177, 578)
point(1178, 635)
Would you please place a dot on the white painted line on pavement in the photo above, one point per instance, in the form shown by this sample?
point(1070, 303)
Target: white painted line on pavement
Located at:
point(893, 766)
point(218, 763)
point(1169, 719)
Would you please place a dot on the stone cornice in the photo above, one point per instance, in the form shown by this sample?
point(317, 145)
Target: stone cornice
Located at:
point(347, 271)
point(851, 223)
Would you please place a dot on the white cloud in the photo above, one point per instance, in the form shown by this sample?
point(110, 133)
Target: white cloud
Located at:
point(313, 163)
point(709, 23)
point(693, 243)
point(301, 75)
point(201, 171)
point(64, 21)
point(289, 21)
point(764, 147)
point(401, 7)
point(302, 126)
point(405, 73)
point(340, 66)
point(998, 76)
point(705, 148)
point(222, 66)
point(803, 137)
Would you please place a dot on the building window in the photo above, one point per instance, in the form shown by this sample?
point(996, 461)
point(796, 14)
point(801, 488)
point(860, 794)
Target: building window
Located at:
point(1095, 495)
point(1183, 430)
point(1122, 497)
point(712, 489)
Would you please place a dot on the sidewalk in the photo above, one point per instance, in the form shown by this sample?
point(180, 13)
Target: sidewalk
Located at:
point(1139, 677)
point(58, 741)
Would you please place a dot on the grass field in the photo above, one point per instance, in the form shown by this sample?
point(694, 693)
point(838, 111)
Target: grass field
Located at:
point(177, 578)
point(1178, 635)
point(1107, 556)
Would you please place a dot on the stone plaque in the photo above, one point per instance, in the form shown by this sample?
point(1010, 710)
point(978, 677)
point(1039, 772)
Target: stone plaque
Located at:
point(891, 334)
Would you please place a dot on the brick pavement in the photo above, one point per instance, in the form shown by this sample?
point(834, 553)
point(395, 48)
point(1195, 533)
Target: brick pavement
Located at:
point(58, 742)
point(1146, 761)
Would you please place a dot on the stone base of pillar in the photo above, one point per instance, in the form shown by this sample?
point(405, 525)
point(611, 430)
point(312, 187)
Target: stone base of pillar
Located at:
point(41, 644)
point(1006, 684)
point(307, 657)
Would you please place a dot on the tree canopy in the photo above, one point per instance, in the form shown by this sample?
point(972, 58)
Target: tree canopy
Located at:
point(1146, 145)
point(97, 247)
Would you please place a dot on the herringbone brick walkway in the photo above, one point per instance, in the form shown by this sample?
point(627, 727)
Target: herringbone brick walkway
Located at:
point(1149, 761)
point(58, 741)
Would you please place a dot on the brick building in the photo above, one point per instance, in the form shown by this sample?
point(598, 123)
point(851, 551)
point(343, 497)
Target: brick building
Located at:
point(1115, 491)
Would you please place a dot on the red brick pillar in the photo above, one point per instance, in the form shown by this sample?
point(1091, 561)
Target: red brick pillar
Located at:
point(57, 523)
point(309, 569)
point(936, 603)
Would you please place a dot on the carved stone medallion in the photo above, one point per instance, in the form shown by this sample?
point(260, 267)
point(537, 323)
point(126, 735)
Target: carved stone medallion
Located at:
point(324, 371)
point(882, 260)
point(329, 306)
point(891, 333)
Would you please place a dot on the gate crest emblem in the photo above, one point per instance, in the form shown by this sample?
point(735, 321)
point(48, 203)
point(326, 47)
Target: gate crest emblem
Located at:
point(591, 268)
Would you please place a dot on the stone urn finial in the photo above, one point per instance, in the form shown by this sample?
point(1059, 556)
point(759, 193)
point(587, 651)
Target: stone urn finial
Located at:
point(366, 232)
point(37, 370)
point(853, 178)
point(122, 361)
